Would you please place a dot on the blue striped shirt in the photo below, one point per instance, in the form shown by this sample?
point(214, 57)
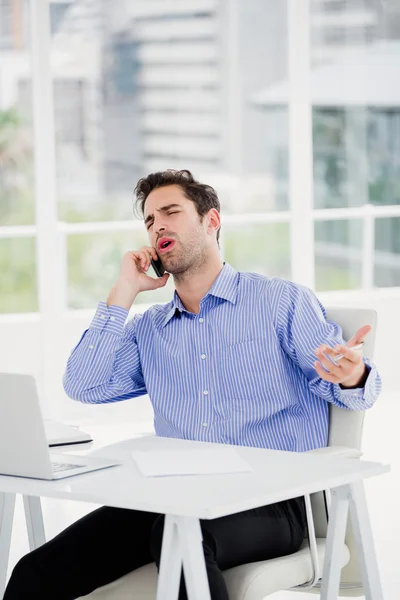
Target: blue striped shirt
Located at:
point(239, 372)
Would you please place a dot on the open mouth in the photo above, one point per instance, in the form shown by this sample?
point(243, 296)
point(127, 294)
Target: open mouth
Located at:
point(165, 245)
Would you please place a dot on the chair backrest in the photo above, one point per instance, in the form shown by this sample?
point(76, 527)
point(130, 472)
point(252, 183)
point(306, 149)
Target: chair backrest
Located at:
point(345, 429)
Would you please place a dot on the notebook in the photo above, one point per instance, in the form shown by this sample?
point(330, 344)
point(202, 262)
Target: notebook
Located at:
point(60, 434)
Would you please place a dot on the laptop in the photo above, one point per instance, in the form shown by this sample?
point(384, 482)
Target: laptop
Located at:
point(24, 450)
point(61, 434)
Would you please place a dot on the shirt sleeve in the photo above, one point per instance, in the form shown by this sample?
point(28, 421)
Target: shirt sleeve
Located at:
point(302, 327)
point(105, 364)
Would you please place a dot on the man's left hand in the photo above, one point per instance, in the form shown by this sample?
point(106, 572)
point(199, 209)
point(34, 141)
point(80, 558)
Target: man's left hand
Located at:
point(350, 371)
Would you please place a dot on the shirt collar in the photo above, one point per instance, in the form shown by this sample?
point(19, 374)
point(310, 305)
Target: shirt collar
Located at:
point(225, 287)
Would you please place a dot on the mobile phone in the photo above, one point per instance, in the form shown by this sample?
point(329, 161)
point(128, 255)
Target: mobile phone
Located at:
point(158, 267)
point(355, 348)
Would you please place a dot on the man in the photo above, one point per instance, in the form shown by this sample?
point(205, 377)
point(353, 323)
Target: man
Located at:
point(236, 358)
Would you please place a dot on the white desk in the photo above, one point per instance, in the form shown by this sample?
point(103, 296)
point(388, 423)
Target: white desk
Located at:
point(276, 476)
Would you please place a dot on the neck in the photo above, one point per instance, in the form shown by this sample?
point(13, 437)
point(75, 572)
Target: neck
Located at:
point(193, 286)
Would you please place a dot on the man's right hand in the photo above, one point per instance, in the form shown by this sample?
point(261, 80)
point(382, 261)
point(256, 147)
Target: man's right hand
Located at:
point(133, 277)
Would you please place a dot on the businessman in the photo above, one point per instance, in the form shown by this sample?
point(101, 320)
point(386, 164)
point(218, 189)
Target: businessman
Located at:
point(235, 358)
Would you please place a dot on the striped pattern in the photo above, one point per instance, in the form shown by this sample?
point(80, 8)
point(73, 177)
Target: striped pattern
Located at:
point(239, 372)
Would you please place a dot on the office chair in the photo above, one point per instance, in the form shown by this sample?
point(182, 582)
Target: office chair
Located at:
point(302, 570)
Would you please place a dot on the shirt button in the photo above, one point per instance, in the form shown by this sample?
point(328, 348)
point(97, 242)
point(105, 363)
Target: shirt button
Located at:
point(205, 392)
point(91, 347)
point(112, 318)
point(103, 317)
point(203, 356)
point(201, 320)
point(205, 424)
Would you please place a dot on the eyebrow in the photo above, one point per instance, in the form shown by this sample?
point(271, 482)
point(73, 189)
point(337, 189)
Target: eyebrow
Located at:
point(162, 209)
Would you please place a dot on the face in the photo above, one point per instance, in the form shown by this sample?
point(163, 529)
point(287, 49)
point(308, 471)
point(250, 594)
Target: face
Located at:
point(182, 239)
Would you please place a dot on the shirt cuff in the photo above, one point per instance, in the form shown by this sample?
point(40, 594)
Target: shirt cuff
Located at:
point(109, 318)
point(363, 397)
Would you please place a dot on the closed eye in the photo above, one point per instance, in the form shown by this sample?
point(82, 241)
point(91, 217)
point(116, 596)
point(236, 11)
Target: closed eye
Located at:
point(171, 212)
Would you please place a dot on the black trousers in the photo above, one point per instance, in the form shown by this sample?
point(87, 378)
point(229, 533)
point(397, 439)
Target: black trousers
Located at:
point(110, 542)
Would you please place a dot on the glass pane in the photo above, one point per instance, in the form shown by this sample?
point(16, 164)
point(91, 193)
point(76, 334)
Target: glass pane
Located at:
point(387, 252)
point(93, 266)
point(18, 275)
point(356, 106)
point(261, 248)
point(338, 255)
point(16, 136)
point(157, 85)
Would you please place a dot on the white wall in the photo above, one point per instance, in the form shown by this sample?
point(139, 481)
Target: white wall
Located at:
point(20, 351)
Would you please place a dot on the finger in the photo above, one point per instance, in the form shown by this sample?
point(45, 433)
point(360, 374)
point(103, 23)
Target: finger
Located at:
point(359, 336)
point(160, 281)
point(349, 355)
point(141, 260)
point(138, 254)
point(333, 368)
point(327, 350)
point(324, 375)
point(163, 280)
point(148, 255)
point(338, 357)
point(344, 363)
point(150, 252)
point(145, 259)
point(333, 353)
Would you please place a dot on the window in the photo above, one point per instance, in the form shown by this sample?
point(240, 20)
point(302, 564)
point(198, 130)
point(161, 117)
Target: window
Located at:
point(17, 207)
point(170, 86)
point(387, 252)
point(18, 275)
point(338, 254)
point(139, 87)
point(356, 127)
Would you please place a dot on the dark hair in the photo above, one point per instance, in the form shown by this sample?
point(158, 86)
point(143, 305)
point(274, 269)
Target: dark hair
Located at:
point(203, 196)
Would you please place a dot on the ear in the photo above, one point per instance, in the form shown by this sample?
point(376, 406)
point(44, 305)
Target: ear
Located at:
point(214, 220)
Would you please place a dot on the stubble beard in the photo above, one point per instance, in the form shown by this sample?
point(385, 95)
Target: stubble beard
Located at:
point(190, 261)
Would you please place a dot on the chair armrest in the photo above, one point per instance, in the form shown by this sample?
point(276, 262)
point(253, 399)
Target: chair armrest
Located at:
point(343, 451)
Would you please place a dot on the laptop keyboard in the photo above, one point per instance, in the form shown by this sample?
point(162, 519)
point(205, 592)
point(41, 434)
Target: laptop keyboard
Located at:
point(57, 467)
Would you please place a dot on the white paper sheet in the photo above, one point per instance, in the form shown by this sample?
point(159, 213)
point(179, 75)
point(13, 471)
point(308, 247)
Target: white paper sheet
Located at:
point(155, 463)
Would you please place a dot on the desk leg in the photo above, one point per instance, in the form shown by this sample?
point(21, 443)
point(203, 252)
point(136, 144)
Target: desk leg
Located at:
point(334, 543)
point(34, 522)
point(7, 505)
point(182, 544)
point(194, 565)
point(365, 543)
point(171, 562)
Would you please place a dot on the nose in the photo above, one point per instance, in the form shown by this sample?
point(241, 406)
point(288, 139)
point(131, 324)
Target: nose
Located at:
point(159, 227)
point(157, 233)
